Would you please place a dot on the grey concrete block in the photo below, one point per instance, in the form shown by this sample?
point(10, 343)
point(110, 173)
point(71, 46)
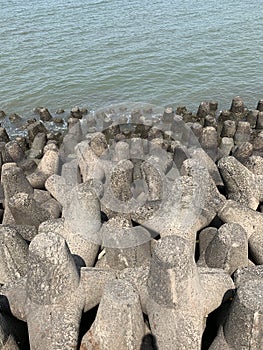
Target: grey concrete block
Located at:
point(243, 151)
point(48, 165)
point(242, 185)
point(89, 163)
point(190, 204)
point(228, 249)
point(14, 151)
point(250, 220)
point(70, 172)
point(37, 147)
point(205, 238)
point(243, 133)
point(243, 328)
point(82, 223)
point(13, 181)
point(125, 246)
point(52, 304)
point(119, 320)
point(13, 255)
point(177, 319)
point(121, 179)
point(208, 141)
point(203, 158)
point(226, 146)
point(26, 211)
point(58, 187)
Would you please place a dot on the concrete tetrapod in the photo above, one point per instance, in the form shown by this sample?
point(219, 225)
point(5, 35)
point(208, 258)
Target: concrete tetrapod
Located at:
point(242, 185)
point(255, 164)
point(70, 172)
point(251, 221)
point(82, 222)
point(53, 307)
point(189, 203)
point(58, 188)
point(81, 215)
point(13, 255)
point(243, 328)
point(26, 211)
point(203, 158)
point(205, 238)
point(227, 249)
point(14, 151)
point(247, 274)
point(37, 147)
point(226, 146)
point(119, 322)
point(208, 141)
point(121, 179)
point(48, 165)
point(14, 181)
point(125, 246)
point(180, 295)
point(72, 138)
point(53, 295)
point(89, 153)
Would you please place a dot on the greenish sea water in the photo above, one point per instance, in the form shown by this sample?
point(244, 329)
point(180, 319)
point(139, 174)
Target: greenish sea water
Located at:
point(94, 53)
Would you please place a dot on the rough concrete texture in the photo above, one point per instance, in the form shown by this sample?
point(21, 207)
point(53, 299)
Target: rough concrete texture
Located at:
point(13, 181)
point(177, 319)
point(47, 166)
point(13, 255)
point(119, 322)
point(243, 327)
point(26, 211)
point(53, 295)
point(227, 249)
point(127, 234)
point(250, 220)
point(242, 185)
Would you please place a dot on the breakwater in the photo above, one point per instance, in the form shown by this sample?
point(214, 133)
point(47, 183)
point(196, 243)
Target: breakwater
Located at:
point(133, 228)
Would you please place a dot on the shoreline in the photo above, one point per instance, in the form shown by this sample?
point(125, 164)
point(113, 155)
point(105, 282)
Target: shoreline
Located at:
point(16, 124)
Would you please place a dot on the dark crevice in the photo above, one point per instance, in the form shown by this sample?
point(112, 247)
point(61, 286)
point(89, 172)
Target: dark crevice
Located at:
point(19, 331)
point(134, 223)
point(260, 208)
point(149, 340)
point(251, 257)
point(157, 237)
point(16, 327)
point(215, 319)
point(197, 246)
point(86, 321)
point(216, 222)
point(222, 190)
point(104, 217)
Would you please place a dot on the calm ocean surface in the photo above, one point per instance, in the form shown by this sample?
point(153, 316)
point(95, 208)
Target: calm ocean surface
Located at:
point(94, 53)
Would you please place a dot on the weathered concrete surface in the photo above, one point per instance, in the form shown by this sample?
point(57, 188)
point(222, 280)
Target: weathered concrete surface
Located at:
point(242, 185)
point(13, 255)
point(125, 210)
point(119, 322)
point(244, 324)
point(172, 270)
point(250, 220)
point(227, 249)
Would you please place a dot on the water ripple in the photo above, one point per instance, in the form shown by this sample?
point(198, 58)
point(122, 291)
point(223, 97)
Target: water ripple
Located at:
point(97, 52)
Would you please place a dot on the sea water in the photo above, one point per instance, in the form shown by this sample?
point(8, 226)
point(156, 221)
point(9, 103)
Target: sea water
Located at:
point(94, 53)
